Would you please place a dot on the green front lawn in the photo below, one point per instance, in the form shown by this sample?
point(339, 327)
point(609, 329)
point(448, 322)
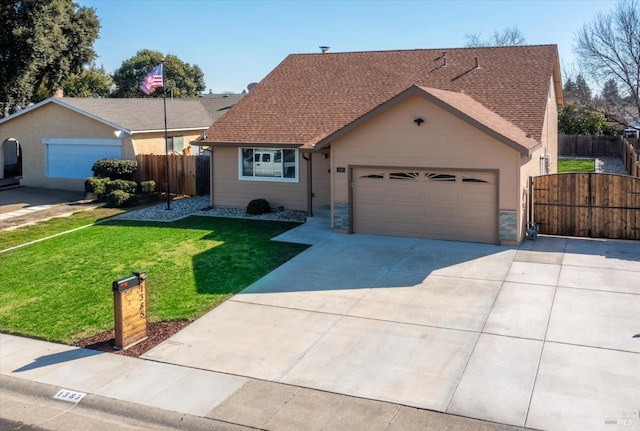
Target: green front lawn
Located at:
point(43, 229)
point(60, 289)
point(576, 165)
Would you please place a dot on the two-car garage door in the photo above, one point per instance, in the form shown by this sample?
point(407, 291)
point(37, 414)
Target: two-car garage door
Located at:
point(426, 203)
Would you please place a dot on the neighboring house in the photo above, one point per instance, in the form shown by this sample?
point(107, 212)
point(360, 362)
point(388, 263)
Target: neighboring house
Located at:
point(59, 139)
point(422, 143)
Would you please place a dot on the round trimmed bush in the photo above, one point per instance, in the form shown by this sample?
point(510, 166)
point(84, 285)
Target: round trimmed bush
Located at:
point(96, 185)
point(258, 206)
point(148, 186)
point(124, 185)
point(120, 199)
point(115, 168)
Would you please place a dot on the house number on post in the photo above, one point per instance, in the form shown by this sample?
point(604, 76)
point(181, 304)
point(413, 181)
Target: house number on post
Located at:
point(130, 309)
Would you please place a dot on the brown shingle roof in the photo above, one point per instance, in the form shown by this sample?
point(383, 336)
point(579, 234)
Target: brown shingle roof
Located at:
point(308, 97)
point(218, 106)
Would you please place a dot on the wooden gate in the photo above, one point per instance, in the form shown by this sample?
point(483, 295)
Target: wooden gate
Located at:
point(587, 204)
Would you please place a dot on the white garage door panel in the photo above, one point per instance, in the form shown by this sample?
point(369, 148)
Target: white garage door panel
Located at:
point(426, 203)
point(73, 158)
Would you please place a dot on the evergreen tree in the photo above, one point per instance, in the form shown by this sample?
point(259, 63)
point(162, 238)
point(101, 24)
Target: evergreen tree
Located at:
point(180, 79)
point(610, 92)
point(569, 86)
point(42, 43)
point(91, 81)
point(583, 92)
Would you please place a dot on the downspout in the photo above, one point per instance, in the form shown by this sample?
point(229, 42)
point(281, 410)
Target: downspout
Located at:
point(309, 183)
point(211, 176)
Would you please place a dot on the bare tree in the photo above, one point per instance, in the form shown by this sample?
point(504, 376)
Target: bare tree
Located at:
point(509, 36)
point(609, 48)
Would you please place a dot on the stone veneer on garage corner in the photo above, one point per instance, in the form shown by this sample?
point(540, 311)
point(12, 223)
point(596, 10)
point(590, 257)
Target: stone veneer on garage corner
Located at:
point(341, 216)
point(508, 226)
point(508, 221)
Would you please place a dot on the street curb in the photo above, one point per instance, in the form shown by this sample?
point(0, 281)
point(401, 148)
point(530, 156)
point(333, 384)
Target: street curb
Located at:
point(151, 415)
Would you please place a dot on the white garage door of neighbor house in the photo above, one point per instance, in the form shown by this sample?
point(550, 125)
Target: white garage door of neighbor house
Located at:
point(73, 158)
point(426, 203)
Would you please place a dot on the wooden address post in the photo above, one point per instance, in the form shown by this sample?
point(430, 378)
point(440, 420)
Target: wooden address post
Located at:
point(130, 309)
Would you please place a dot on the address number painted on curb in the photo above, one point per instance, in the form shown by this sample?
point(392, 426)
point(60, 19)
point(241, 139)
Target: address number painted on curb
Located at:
point(70, 396)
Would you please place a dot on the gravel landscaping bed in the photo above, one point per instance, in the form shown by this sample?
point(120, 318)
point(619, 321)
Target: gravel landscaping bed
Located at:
point(200, 205)
point(610, 165)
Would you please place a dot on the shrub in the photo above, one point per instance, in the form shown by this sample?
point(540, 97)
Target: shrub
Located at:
point(123, 185)
point(148, 186)
point(115, 169)
point(96, 185)
point(120, 199)
point(258, 206)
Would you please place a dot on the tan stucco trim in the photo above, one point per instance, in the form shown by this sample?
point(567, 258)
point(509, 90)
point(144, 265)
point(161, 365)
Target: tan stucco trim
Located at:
point(245, 144)
point(187, 129)
point(415, 90)
point(557, 83)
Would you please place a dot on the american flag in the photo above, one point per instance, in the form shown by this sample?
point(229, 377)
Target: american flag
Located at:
point(152, 80)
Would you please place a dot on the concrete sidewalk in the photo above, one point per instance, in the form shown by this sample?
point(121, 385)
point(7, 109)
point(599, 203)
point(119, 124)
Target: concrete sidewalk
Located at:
point(143, 394)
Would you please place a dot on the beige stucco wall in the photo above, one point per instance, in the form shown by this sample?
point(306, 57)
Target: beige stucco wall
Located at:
point(443, 140)
point(321, 184)
point(229, 191)
point(50, 121)
point(531, 166)
point(153, 143)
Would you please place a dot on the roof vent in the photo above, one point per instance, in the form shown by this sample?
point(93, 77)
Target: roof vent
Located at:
point(442, 57)
point(324, 49)
point(477, 66)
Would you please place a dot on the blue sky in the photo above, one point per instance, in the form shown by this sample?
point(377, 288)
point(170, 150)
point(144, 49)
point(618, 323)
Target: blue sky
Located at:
point(239, 42)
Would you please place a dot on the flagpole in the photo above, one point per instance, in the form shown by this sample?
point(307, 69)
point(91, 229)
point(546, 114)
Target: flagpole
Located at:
point(166, 140)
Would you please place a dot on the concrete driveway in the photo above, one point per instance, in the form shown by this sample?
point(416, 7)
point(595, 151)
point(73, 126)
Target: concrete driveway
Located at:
point(545, 336)
point(34, 198)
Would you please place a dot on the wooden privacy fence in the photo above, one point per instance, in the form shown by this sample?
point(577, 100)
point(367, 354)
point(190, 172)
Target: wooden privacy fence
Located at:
point(631, 159)
point(188, 175)
point(590, 146)
point(602, 146)
point(587, 204)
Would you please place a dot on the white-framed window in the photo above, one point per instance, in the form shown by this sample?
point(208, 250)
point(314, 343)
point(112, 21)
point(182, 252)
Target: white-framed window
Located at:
point(268, 164)
point(175, 144)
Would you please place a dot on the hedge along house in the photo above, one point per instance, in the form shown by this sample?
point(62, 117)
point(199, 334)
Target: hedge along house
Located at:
point(61, 138)
point(422, 143)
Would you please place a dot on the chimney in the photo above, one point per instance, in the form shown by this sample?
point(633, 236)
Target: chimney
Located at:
point(324, 49)
point(477, 66)
point(58, 94)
